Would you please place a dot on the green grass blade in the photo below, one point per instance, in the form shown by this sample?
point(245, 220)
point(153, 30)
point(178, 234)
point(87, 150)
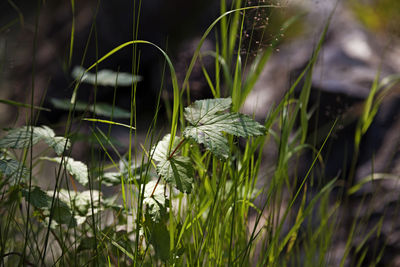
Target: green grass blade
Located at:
point(22, 105)
point(109, 122)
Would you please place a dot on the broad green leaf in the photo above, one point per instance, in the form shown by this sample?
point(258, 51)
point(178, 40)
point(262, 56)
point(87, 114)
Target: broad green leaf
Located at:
point(176, 170)
point(105, 77)
point(136, 171)
point(62, 214)
point(213, 141)
point(21, 138)
point(101, 109)
point(209, 122)
point(106, 110)
point(110, 178)
point(156, 208)
point(155, 204)
point(159, 238)
point(81, 203)
point(139, 174)
point(39, 199)
point(76, 168)
point(56, 142)
point(203, 110)
point(114, 178)
point(42, 201)
point(160, 151)
point(64, 104)
point(13, 169)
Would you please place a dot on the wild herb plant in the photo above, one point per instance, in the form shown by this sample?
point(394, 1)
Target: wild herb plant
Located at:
point(209, 121)
point(191, 198)
point(194, 208)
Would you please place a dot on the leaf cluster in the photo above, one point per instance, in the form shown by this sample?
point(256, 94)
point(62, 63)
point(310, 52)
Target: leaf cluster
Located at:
point(209, 121)
point(29, 135)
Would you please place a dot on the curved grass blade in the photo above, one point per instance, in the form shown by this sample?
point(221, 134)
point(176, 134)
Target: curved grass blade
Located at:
point(22, 105)
point(109, 122)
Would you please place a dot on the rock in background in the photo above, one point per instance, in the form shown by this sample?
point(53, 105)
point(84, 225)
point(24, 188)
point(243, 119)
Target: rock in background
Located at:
point(350, 59)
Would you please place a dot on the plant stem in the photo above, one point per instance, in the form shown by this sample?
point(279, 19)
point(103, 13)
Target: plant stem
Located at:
point(154, 189)
point(176, 149)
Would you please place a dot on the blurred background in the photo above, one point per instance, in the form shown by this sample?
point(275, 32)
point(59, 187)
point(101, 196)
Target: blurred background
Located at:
point(362, 41)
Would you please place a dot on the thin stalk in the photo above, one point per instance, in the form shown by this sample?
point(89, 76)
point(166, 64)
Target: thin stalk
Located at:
point(31, 129)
